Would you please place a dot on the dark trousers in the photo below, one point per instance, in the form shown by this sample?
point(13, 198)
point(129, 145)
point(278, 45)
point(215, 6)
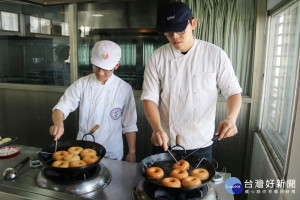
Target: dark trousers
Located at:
point(205, 152)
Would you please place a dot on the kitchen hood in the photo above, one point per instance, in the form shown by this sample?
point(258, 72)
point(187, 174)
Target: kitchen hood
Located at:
point(118, 14)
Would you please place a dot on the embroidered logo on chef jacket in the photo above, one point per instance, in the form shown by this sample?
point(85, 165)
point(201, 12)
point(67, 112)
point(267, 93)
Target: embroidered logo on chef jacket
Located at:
point(105, 56)
point(116, 113)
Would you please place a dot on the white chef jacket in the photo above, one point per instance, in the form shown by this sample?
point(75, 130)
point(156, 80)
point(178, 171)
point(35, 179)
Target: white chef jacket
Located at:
point(111, 105)
point(185, 88)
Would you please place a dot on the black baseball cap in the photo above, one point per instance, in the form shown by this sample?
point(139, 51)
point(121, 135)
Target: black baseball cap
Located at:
point(175, 17)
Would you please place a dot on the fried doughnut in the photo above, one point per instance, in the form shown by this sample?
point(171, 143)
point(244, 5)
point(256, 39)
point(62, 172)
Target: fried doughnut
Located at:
point(59, 155)
point(75, 150)
point(201, 173)
point(183, 165)
point(4, 140)
point(171, 182)
point(155, 172)
point(77, 163)
point(60, 164)
point(191, 181)
point(88, 152)
point(179, 174)
point(90, 159)
point(71, 157)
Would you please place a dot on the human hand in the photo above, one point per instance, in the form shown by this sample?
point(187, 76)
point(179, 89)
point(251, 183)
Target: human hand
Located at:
point(160, 138)
point(56, 131)
point(226, 128)
point(131, 157)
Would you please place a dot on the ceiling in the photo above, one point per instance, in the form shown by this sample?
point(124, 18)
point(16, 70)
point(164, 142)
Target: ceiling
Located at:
point(55, 2)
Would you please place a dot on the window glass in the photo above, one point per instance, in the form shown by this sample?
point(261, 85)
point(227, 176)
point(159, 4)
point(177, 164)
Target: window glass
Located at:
point(39, 52)
point(131, 24)
point(9, 21)
point(35, 26)
point(64, 28)
point(281, 78)
point(45, 26)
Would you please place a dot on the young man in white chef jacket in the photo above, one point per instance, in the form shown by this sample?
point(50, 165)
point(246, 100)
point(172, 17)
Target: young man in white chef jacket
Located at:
point(103, 99)
point(181, 82)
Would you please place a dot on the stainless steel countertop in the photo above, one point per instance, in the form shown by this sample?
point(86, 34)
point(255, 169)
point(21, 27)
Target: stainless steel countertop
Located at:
point(125, 177)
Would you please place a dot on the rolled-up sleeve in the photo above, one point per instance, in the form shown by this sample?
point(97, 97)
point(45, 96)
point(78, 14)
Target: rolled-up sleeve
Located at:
point(129, 116)
point(151, 84)
point(227, 80)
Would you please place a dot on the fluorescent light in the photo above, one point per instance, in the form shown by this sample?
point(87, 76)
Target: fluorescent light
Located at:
point(97, 15)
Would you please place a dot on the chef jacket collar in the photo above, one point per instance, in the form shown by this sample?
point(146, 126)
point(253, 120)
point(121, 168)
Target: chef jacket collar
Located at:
point(97, 83)
point(178, 54)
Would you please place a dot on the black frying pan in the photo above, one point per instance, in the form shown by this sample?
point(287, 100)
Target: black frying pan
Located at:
point(47, 160)
point(165, 161)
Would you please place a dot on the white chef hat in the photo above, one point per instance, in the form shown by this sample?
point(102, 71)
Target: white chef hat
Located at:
point(106, 54)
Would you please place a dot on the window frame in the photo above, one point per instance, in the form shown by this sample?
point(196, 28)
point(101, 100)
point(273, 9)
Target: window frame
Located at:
point(280, 168)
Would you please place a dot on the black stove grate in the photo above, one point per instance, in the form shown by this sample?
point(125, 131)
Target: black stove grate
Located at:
point(72, 177)
point(156, 192)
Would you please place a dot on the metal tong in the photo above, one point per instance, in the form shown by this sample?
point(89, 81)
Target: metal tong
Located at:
point(177, 145)
point(11, 173)
point(55, 146)
point(213, 139)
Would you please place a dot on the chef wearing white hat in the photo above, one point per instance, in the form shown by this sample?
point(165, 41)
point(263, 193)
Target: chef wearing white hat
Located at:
point(103, 99)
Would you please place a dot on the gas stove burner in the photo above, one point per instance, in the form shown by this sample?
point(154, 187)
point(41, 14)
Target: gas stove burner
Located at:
point(72, 177)
point(147, 191)
point(98, 178)
point(158, 193)
point(191, 195)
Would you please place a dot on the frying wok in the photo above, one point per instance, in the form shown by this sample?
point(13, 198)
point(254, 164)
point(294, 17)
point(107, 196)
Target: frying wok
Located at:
point(47, 160)
point(165, 161)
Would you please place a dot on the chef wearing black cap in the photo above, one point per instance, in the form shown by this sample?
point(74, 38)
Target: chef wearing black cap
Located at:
point(181, 84)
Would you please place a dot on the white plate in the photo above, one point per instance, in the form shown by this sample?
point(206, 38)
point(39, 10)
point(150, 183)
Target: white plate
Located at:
point(8, 151)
